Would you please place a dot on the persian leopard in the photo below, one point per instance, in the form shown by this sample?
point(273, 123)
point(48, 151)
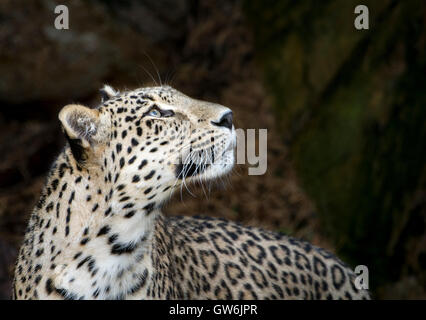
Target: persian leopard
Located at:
point(97, 231)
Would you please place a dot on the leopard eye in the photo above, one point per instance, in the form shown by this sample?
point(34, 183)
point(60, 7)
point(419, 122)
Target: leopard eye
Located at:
point(154, 113)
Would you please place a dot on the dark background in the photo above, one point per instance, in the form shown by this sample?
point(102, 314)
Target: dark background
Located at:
point(345, 112)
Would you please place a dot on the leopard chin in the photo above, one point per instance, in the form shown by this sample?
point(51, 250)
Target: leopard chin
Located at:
point(206, 164)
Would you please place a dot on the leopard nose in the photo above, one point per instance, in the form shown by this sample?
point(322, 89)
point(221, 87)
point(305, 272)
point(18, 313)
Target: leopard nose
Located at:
point(225, 121)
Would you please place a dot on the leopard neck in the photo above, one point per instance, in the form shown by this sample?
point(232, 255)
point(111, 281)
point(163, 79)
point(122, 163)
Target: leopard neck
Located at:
point(99, 233)
point(85, 199)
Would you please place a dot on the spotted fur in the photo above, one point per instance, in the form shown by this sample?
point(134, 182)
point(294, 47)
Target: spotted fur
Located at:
point(97, 231)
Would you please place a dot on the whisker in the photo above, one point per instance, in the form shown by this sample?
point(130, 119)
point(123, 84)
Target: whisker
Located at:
point(170, 77)
point(149, 74)
point(155, 67)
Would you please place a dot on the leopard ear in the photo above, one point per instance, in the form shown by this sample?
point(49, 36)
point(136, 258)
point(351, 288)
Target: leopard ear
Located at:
point(107, 92)
point(80, 122)
point(82, 127)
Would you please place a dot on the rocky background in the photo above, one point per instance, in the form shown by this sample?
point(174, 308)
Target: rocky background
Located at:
point(345, 112)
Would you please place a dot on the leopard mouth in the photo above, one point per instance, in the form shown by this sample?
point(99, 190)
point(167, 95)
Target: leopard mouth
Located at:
point(207, 163)
point(203, 162)
point(190, 169)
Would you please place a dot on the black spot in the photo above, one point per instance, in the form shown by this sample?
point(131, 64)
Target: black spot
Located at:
point(130, 214)
point(55, 184)
point(66, 294)
point(120, 248)
point(77, 255)
point(112, 238)
point(71, 197)
point(96, 293)
point(49, 207)
point(91, 265)
point(149, 175)
point(83, 261)
point(132, 159)
point(278, 290)
point(103, 230)
point(118, 147)
point(49, 286)
point(149, 207)
point(67, 219)
point(128, 206)
point(134, 142)
point(108, 211)
point(143, 164)
point(62, 168)
point(41, 201)
point(296, 291)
